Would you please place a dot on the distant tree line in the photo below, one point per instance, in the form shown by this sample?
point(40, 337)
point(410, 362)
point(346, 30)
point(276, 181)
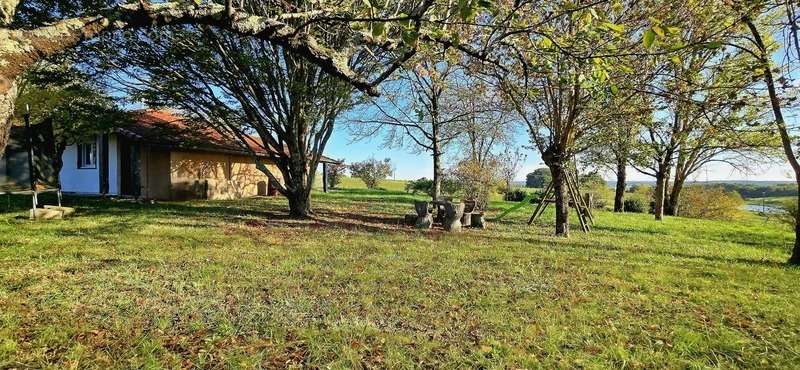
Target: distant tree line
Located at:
point(761, 191)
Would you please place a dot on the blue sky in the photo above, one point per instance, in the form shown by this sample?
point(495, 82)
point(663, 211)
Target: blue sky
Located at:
point(411, 166)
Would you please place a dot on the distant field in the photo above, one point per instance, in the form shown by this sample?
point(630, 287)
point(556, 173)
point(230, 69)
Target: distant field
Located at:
point(772, 201)
point(390, 185)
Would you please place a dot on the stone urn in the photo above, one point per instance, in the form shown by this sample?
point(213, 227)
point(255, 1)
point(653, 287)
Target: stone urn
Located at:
point(452, 216)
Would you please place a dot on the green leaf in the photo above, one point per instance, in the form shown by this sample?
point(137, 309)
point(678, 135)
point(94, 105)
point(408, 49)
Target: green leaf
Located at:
point(617, 28)
point(467, 9)
point(649, 38)
point(712, 45)
point(614, 89)
point(658, 30)
point(410, 37)
point(404, 22)
point(378, 29)
point(676, 60)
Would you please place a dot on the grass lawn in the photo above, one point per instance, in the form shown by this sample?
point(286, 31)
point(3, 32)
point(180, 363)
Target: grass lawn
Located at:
point(236, 284)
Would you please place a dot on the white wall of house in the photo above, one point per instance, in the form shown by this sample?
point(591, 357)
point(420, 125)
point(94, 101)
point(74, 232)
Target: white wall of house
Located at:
point(87, 180)
point(78, 180)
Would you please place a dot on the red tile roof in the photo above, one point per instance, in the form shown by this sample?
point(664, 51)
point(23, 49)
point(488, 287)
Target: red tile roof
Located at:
point(167, 129)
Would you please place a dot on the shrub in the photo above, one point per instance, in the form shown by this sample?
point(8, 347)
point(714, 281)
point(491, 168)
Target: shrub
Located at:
point(516, 195)
point(425, 186)
point(713, 203)
point(594, 184)
point(635, 205)
point(372, 171)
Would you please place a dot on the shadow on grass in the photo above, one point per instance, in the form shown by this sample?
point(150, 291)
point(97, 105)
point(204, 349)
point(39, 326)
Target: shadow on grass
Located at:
point(272, 214)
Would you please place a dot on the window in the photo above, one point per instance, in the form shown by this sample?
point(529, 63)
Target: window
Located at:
point(87, 155)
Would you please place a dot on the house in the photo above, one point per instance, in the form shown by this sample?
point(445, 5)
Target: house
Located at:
point(161, 155)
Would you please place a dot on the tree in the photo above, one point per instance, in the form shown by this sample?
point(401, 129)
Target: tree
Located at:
point(251, 91)
point(420, 111)
point(761, 48)
point(538, 178)
point(701, 117)
point(477, 180)
point(510, 162)
point(552, 90)
point(23, 47)
point(372, 171)
point(623, 116)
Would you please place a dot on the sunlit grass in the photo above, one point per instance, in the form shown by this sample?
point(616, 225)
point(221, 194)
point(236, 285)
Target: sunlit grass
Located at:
point(236, 284)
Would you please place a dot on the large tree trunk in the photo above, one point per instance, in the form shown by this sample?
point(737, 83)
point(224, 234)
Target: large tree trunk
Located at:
point(299, 204)
point(619, 193)
point(437, 167)
point(561, 198)
point(674, 201)
point(298, 189)
point(660, 192)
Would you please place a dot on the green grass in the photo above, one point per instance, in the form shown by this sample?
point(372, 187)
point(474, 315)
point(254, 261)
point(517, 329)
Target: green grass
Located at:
point(388, 184)
point(235, 284)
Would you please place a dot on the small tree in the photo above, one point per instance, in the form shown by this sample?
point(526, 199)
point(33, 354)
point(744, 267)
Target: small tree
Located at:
point(335, 173)
point(510, 163)
point(477, 180)
point(372, 171)
point(538, 178)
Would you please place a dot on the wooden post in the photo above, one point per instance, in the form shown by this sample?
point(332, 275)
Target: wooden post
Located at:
point(324, 177)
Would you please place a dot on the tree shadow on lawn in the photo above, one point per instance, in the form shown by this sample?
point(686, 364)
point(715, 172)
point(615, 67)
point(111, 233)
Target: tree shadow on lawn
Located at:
point(327, 218)
point(359, 222)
